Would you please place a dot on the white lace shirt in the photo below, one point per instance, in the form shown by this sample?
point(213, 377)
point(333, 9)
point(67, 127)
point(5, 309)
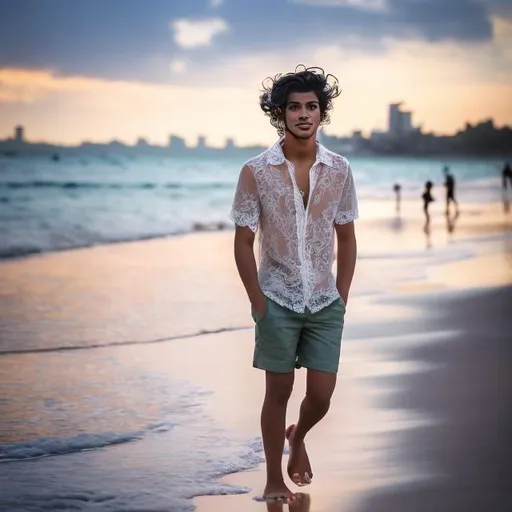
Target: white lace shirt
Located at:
point(296, 242)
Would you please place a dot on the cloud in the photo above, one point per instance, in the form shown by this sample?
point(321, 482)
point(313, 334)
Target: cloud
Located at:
point(503, 45)
point(216, 3)
point(193, 33)
point(370, 5)
point(136, 46)
point(29, 86)
point(178, 66)
point(499, 7)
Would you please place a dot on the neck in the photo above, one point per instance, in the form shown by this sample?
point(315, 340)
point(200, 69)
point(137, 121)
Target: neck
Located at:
point(297, 149)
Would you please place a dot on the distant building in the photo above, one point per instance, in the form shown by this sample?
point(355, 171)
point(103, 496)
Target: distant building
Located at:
point(201, 142)
point(394, 122)
point(400, 121)
point(357, 140)
point(342, 145)
point(407, 122)
point(378, 136)
point(177, 143)
point(230, 144)
point(19, 134)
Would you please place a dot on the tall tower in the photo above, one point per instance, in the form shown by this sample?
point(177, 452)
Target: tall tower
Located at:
point(395, 121)
point(407, 122)
point(19, 134)
point(400, 121)
point(201, 142)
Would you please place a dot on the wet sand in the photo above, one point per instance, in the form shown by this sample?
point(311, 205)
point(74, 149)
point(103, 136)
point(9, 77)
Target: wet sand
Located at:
point(421, 419)
point(469, 390)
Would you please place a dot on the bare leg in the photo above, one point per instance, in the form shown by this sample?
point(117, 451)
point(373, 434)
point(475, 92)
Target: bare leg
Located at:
point(427, 216)
point(278, 389)
point(320, 387)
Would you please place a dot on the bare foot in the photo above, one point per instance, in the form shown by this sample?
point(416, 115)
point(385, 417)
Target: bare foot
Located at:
point(278, 492)
point(299, 468)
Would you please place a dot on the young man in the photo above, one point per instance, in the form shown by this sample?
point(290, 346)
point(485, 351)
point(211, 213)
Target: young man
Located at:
point(450, 190)
point(298, 193)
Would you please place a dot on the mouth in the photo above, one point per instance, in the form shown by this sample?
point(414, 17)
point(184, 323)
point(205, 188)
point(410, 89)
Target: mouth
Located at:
point(304, 125)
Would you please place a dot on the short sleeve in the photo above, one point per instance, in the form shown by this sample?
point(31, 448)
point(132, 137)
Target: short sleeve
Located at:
point(348, 210)
point(246, 204)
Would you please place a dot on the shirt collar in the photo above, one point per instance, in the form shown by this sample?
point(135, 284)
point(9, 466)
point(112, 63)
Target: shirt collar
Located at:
point(275, 155)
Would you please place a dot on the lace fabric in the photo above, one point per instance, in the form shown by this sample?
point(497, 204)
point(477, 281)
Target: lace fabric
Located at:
point(296, 242)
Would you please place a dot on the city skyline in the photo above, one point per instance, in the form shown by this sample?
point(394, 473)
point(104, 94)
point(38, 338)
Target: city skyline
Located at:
point(399, 123)
point(89, 71)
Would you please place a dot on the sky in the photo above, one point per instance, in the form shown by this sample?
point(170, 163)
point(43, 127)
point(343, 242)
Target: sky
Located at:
point(99, 70)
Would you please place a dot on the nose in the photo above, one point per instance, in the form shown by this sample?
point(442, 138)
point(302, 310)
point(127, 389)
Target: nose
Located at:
point(304, 115)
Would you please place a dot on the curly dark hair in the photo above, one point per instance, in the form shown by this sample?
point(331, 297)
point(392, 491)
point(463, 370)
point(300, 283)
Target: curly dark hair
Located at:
point(276, 91)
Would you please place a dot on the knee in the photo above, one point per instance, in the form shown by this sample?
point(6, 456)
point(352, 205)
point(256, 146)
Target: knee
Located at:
point(319, 401)
point(279, 395)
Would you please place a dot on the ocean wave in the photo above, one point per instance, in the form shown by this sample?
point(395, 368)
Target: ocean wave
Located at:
point(19, 250)
point(52, 446)
point(114, 186)
point(46, 447)
point(155, 485)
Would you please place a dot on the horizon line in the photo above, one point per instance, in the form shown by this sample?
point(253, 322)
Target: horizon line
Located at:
point(227, 138)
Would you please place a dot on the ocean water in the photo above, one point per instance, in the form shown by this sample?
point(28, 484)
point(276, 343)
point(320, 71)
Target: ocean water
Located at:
point(84, 201)
point(114, 436)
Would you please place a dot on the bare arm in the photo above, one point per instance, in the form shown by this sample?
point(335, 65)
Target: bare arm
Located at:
point(246, 265)
point(347, 254)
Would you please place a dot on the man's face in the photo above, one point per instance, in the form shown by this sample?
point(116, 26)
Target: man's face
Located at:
point(302, 114)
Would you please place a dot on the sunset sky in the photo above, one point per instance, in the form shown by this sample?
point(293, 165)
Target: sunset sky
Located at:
point(103, 69)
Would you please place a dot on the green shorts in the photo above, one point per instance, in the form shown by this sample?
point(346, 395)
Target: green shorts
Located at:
point(286, 340)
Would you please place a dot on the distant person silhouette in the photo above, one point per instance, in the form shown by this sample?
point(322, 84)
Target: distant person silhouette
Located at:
point(397, 189)
point(427, 199)
point(506, 175)
point(450, 190)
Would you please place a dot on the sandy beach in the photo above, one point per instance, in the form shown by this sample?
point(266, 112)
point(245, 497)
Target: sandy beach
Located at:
point(431, 432)
point(418, 421)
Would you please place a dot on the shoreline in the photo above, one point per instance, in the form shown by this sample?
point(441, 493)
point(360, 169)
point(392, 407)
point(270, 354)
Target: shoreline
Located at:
point(379, 213)
point(149, 238)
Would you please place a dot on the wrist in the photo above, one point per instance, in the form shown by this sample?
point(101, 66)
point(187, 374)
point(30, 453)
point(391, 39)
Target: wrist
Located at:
point(343, 294)
point(255, 296)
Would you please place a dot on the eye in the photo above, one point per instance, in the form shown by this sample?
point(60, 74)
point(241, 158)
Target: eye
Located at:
point(313, 106)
